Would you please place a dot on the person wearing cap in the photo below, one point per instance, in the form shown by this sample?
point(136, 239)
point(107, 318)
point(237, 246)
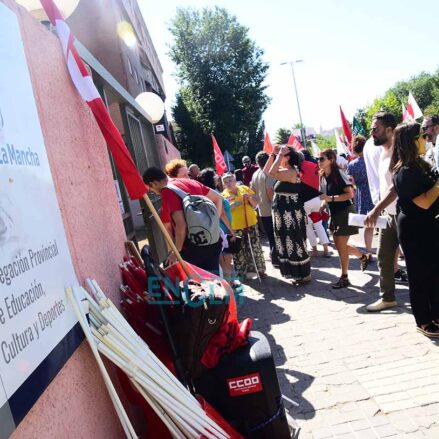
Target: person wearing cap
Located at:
point(247, 170)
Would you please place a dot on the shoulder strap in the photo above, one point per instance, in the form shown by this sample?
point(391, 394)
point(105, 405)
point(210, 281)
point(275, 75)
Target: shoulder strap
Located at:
point(182, 194)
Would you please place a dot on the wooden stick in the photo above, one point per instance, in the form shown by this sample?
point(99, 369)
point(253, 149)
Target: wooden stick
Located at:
point(125, 421)
point(166, 234)
point(133, 251)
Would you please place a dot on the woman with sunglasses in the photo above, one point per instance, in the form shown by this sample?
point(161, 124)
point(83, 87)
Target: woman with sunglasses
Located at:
point(338, 195)
point(417, 186)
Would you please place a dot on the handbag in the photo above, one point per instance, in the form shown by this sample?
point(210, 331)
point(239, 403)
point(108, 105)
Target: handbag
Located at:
point(235, 245)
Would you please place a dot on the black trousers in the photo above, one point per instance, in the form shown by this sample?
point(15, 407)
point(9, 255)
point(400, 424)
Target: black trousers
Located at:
point(267, 221)
point(419, 240)
point(206, 257)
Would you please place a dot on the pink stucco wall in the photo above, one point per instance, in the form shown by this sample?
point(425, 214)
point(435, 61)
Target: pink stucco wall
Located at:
point(76, 403)
point(167, 151)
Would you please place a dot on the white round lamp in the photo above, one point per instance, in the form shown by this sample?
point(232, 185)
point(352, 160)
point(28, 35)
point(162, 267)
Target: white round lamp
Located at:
point(66, 7)
point(152, 104)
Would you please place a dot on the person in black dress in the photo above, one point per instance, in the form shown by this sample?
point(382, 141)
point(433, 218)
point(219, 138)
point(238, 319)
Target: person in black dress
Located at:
point(338, 195)
point(417, 186)
point(289, 218)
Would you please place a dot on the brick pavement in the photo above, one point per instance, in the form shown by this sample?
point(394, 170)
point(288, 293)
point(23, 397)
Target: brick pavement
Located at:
point(354, 374)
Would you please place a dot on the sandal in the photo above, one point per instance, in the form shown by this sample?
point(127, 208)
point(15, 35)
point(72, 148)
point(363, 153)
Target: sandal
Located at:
point(429, 330)
point(303, 281)
point(364, 262)
point(343, 282)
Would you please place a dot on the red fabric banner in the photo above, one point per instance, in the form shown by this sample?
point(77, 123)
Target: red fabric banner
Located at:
point(346, 130)
point(268, 147)
point(86, 88)
point(220, 164)
point(294, 142)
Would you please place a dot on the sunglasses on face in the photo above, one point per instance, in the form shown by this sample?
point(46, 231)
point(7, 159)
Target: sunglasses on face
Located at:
point(374, 130)
point(424, 136)
point(321, 159)
point(426, 127)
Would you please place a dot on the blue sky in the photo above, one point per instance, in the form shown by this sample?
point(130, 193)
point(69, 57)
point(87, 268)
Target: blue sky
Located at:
point(352, 50)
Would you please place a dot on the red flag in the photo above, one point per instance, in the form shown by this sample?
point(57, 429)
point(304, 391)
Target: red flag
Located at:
point(268, 148)
point(220, 164)
point(86, 88)
point(294, 142)
point(346, 130)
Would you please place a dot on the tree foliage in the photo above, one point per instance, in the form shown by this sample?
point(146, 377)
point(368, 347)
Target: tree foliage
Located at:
point(325, 142)
point(282, 135)
point(221, 75)
point(424, 87)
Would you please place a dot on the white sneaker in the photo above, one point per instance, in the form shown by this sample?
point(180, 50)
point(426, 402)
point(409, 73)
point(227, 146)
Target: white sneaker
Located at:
point(251, 275)
point(380, 305)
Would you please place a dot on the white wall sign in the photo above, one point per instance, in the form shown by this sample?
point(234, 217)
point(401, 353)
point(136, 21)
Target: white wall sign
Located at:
point(35, 263)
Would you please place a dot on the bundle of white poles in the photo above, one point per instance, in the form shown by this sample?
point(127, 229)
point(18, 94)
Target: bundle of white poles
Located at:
point(111, 335)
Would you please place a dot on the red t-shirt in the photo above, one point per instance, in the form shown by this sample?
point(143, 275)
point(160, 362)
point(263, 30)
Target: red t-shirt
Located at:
point(171, 202)
point(247, 174)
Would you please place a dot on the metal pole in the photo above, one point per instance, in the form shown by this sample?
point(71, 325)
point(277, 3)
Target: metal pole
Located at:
point(302, 127)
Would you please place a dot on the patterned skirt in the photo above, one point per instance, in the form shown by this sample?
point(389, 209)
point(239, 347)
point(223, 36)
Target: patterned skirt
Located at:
point(289, 220)
point(243, 260)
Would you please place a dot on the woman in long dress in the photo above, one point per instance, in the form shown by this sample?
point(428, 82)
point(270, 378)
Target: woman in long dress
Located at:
point(289, 218)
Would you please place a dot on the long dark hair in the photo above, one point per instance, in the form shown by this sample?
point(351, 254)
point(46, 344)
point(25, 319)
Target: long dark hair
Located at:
point(335, 170)
point(405, 149)
point(207, 177)
point(295, 158)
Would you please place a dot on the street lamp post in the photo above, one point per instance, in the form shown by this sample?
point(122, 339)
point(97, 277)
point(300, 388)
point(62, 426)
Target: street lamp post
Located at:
point(302, 127)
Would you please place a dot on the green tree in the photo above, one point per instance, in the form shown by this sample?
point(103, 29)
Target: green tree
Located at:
point(282, 135)
point(424, 87)
point(325, 142)
point(221, 74)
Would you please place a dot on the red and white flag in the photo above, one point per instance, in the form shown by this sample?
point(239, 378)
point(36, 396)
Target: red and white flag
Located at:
point(86, 88)
point(341, 146)
point(268, 147)
point(405, 116)
point(413, 108)
point(294, 142)
point(220, 164)
point(346, 130)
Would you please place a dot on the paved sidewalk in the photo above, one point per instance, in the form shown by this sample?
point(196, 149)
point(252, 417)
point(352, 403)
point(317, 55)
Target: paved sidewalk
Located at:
point(354, 374)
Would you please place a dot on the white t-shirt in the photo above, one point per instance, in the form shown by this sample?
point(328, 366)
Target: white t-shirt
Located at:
point(342, 163)
point(371, 154)
point(385, 177)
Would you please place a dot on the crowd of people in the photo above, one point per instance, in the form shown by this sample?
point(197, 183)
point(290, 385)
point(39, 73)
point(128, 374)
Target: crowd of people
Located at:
point(290, 195)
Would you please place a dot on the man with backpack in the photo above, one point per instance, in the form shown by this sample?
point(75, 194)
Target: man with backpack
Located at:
point(190, 212)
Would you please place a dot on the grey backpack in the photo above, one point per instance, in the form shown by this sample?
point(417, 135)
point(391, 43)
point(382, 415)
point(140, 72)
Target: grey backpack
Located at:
point(203, 227)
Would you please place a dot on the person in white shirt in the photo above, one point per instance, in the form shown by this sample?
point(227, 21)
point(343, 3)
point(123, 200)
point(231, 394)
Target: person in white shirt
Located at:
point(371, 155)
point(383, 124)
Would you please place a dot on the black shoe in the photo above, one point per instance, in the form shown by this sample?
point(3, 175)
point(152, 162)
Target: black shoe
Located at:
point(401, 276)
point(364, 262)
point(343, 282)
